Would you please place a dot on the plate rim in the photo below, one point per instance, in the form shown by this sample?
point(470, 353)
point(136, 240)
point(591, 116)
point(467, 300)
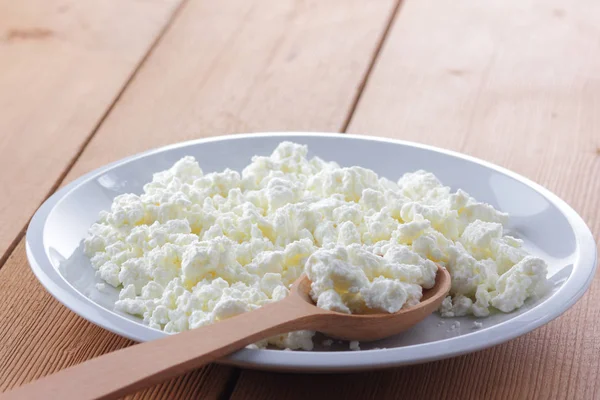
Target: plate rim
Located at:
point(584, 267)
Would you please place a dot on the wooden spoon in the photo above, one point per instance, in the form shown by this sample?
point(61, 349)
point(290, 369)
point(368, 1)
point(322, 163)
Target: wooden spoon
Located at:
point(116, 374)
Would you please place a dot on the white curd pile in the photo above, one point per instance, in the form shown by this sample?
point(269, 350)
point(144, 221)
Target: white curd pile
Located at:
point(197, 248)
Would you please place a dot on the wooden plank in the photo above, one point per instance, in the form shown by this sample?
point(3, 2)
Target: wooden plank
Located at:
point(62, 64)
point(235, 65)
point(516, 83)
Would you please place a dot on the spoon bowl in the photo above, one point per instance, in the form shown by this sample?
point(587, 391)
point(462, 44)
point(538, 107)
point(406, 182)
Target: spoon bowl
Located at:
point(368, 327)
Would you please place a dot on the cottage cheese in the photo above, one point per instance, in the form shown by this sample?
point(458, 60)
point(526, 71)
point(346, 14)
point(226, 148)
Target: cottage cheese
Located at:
point(196, 248)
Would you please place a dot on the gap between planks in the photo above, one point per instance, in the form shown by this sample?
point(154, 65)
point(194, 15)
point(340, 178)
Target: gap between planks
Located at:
point(363, 83)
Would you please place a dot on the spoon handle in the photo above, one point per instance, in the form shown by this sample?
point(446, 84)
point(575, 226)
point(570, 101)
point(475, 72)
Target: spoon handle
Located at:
point(116, 374)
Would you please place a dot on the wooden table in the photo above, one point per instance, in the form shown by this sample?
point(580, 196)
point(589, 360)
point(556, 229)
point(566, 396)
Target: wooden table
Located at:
point(85, 82)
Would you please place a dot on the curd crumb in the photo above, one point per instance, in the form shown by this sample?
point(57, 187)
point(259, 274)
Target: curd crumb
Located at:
point(355, 345)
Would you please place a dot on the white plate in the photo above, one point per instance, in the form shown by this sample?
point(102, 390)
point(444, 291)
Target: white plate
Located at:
point(550, 228)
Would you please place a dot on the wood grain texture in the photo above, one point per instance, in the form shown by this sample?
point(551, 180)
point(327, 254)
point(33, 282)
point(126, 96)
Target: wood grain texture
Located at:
point(62, 64)
point(222, 67)
point(42, 336)
point(244, 66)
point(516, 83)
